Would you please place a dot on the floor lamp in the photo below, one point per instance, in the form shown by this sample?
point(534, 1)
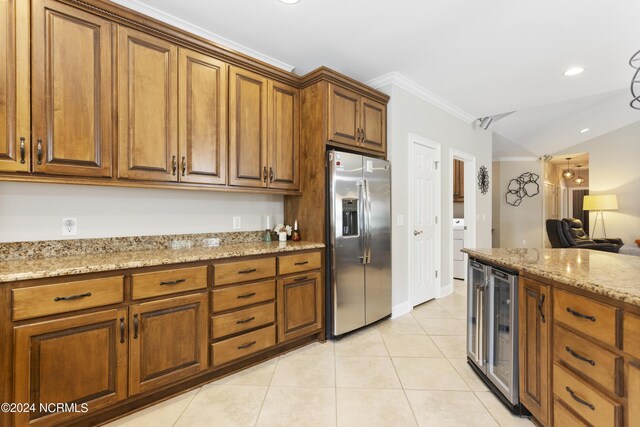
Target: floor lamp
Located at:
point(599, 203)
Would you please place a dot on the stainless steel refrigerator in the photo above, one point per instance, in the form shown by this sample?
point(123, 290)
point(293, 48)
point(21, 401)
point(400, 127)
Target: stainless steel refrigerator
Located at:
point(359, 236)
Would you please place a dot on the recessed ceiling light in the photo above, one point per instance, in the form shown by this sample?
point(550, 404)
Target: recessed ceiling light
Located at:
point(290, 1)
point(574, 71)
point(584, 130)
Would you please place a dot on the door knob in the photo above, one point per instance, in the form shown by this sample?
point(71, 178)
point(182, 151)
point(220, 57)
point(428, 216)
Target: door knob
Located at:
point(416, 232)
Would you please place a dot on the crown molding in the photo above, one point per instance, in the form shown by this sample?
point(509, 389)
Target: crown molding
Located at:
point(516, 159)
point(194, 29)
point(398, 80)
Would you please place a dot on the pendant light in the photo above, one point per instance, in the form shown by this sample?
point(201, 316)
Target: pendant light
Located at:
point(579, 179)
point(568, 173)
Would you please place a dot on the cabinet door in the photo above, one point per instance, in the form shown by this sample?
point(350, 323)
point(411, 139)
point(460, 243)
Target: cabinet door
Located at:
point(247, 128)
point(72, 91)
point(374, 125)
point(80, 359)
point(633, 386)
point(147, 107)
point(534, 325)
point(299, 306)
point(14, 86)
point(203, 118)
point(458, 180)
point(344, 119)
point(284, 136)
point(168, 341)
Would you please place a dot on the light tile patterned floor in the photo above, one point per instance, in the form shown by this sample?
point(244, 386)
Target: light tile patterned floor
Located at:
point(409, 371)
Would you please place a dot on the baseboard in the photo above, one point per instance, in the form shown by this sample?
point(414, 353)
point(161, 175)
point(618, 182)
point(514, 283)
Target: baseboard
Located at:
point(400, 309)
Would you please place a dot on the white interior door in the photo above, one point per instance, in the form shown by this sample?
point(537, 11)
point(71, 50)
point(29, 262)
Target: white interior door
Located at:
point(424, 220)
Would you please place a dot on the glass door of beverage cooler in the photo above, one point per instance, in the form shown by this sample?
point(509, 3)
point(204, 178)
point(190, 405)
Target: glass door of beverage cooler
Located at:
point(476, 285)
point(502, 361)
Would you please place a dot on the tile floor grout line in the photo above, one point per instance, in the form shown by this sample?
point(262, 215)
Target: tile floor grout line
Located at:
point(264, 398)
point(187, 406)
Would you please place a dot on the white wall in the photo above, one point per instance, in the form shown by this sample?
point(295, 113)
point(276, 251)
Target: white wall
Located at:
point(520, 226)
point(31, 211)
point(614, 169)
point(409, 114)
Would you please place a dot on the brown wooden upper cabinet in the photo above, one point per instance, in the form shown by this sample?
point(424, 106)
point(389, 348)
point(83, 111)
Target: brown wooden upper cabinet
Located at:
point(147, 107)
point(71, 91)
point(264, 131)
point(202, 94)
point(458, 180)
point(14, 87)
point(356, 120)
point(284, 136)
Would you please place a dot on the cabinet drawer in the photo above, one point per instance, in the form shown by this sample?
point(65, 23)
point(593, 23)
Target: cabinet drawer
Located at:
point(586, 315)
point(564, 417)
point(147, 285)
point(244, 345)
point(595, 408)
point(239, 296)
point(242, 320)
point(588, 358)
point(295, 263)
point(243, 271)
point(69, 296)
point(631, 334)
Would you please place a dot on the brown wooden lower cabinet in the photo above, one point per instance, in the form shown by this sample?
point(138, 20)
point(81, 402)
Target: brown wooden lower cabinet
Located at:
point(79, 359)
point(534, 327)
point(168, 341)
point(299, 305)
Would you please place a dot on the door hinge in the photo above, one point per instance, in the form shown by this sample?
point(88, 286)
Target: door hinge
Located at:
point(436, 163)
point(436, 219)
point(436, 274)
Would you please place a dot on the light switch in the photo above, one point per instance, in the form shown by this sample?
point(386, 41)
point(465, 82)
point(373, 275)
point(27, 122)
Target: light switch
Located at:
point(236, 223)
point(400, 220)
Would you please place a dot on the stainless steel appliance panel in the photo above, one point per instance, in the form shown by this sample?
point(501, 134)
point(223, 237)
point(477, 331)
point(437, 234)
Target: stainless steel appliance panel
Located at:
point(346, 208)
point(476, 309)
point(377, 239)
point(502, 363)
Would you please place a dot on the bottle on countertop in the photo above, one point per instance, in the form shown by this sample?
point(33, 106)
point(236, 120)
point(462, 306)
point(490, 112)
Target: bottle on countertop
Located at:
point(295, 235)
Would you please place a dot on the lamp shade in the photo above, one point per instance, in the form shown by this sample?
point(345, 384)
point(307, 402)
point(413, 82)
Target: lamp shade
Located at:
point(600, 202)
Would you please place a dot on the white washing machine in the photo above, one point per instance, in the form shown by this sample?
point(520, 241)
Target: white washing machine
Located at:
point(459, 265)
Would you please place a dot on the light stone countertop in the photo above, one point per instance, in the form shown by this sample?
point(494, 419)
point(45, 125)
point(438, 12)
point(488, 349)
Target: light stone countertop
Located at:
point(613, 275)
point(26, 269)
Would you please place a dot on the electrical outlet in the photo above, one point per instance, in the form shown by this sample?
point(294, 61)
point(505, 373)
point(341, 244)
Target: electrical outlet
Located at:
point(400, 220)
point(69, 226)
point(524, 241)
point(237, 224)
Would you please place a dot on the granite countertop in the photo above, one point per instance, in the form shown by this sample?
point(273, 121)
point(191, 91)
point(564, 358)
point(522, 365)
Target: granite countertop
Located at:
point(613, 275)
point(24, 269)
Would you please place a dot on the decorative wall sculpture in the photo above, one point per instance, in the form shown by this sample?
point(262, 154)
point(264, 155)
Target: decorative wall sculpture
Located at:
point(483, 179)
point(524, 185)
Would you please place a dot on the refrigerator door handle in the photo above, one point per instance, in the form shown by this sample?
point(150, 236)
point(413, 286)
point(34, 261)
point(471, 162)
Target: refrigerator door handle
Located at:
point(367, 202)
point(363, 227)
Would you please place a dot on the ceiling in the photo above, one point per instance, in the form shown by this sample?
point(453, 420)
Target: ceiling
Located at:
point(484, 58)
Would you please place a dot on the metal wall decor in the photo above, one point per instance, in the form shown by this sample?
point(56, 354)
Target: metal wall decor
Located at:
point(635, 81)
point(483, 179)
point(524, 185)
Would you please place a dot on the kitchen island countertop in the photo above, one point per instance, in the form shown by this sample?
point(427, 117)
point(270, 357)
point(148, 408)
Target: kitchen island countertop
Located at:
point(27, 269)
point(612, 275)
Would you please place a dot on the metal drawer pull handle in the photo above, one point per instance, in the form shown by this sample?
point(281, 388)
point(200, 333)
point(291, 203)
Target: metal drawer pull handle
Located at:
point(540, 302)
point(579, 356)
point(72, 297)
point(300, 279)
point(247, 271)
point(271, 174)
point(174, 165)
point(577, 399)
point(247, 320)
point(173, 282)
point(249, 295)
point(302, 263)
point(22, 150)
point(121, 330)
point(184, 165)
point(39, 151)
point(136, 325)
point(247, 345)
point(580, 315)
